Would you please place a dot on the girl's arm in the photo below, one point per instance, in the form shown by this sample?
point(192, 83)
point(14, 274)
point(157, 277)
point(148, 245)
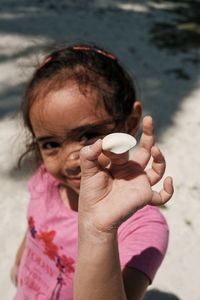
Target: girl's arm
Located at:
point(107, 198)
point(135, 283)
point(98, 273)
point(20, 251)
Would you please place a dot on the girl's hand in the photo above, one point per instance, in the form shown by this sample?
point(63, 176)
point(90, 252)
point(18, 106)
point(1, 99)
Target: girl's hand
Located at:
point(108, 196)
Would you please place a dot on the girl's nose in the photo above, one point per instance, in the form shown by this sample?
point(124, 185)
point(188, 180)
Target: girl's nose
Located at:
point(71, 163)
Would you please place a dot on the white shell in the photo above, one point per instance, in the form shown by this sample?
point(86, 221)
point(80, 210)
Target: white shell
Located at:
point(118, 142)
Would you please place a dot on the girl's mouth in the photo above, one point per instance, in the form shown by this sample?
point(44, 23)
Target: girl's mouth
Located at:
point(74, 181)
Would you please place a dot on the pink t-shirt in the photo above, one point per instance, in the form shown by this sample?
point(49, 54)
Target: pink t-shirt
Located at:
point(48, 263)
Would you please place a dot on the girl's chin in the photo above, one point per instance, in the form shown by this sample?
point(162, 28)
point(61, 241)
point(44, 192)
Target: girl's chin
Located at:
point(74, 184)
point(74, 187)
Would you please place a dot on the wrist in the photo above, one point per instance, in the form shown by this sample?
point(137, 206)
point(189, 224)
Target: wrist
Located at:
point(88, 230)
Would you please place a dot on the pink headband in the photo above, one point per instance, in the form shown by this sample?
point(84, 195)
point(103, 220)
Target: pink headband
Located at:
point(96, 50)
point(81, 48)
point(45, 62)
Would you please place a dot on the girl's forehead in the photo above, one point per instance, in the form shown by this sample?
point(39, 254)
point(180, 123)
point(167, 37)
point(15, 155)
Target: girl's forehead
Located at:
point(67, 108)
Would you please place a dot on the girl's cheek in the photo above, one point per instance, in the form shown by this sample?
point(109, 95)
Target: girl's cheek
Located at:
point(50, 165)
point(103, 160)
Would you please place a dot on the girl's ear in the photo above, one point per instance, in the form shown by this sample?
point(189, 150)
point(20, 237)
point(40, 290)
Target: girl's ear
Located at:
point(133, 121)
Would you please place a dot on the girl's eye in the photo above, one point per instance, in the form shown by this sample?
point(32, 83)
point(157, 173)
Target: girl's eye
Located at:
point(50, 145)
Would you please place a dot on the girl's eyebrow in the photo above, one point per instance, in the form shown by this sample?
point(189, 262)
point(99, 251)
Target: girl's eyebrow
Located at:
point(43, 138)
point(77, 129)
point(91, 126)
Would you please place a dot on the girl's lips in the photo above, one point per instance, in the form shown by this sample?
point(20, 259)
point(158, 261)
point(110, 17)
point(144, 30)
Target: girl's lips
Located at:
point(75, 181)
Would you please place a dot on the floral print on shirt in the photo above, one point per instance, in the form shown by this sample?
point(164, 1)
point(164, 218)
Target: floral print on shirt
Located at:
point(63, 263)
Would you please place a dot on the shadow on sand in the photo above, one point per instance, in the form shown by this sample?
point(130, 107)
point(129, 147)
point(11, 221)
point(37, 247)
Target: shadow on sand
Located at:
point(158, 295)
point(140, 33)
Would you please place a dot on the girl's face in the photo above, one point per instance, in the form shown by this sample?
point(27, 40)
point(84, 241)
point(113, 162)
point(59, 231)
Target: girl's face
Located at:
point(63, 122)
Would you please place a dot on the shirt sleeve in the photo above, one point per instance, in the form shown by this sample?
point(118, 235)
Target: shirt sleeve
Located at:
point(143, 241)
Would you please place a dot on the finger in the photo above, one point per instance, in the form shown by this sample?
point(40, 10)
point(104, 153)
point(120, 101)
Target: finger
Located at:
point(143, 153)
point(117, 159)
point(89, 159)
point(165, 194)
point(158, 166)
point(103, 161)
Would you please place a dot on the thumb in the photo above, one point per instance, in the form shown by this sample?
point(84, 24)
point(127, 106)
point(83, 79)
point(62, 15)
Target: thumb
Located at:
point(89, 159)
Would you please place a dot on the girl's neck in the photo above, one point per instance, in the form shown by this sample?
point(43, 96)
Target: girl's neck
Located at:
point(69, 197)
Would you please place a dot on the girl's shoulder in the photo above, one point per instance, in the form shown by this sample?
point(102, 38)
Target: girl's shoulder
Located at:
point(148, 224)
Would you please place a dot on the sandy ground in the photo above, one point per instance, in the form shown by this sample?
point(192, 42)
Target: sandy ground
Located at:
point(170, 90)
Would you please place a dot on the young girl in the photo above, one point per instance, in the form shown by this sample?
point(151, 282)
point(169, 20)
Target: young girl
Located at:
point(93, 230)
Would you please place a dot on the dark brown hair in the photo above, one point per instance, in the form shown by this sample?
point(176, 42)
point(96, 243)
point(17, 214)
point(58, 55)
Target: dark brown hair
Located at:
point(87, 65)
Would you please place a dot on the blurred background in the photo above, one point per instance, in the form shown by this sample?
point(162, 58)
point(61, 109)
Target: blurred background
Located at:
point(159, 43)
